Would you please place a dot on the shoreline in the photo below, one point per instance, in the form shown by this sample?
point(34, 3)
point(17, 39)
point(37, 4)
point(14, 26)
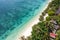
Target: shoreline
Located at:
point(28, 26)
point(27, 31)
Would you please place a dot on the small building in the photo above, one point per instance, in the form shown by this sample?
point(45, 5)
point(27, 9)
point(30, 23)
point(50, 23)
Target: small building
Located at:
point(56, 26)
point(52, 35)
point(53, 21)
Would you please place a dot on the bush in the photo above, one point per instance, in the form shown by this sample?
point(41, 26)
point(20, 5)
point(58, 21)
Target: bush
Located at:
point(51, 13)
point(58, 37)
point(48, 18)
point(41, 18)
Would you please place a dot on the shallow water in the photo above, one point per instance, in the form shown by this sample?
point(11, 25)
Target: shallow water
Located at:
point(16, 12)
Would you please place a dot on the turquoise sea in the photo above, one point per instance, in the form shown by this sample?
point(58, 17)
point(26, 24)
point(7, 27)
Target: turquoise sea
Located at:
point(16, 13)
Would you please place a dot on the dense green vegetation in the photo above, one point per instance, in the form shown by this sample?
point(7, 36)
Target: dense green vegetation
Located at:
point(38, 29)
point(42, 30)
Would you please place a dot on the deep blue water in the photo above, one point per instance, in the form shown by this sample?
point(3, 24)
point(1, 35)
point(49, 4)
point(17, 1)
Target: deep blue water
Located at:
point(16, 12)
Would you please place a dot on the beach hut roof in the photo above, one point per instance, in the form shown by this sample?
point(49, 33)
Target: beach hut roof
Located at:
point(53, 35)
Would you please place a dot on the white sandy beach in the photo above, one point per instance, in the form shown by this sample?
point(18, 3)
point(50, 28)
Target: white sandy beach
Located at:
point(27, 31)
point(28, 27)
